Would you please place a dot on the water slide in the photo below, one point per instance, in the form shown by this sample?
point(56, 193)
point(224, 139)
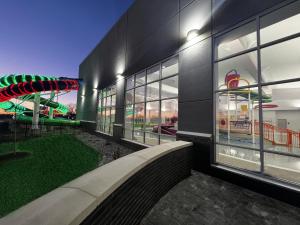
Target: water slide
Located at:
point(24, 87)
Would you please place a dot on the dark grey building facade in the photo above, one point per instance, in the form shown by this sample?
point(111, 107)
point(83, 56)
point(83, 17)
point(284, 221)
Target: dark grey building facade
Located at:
point(232, 82)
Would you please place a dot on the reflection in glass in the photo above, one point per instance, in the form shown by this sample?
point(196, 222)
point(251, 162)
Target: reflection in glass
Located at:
point(170, 67)
point(238, 157)
point(169, 117)
point(153, 91)
point(281, 23)
point(281, 61)
point(281, 115)
point(169, 87)
point(129, 117)
point(140, 94)
point(236, 41)
point(129, 97)
point(152, 117)
point(151, 139)
point(283, 167)
point(237, 72)
point(153, 74)
point(113, 100)
point(237, 114)
point(139, 116)
point(130, 83)
point(140, 79)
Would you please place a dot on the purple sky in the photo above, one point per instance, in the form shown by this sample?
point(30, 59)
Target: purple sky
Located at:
point(53, 36)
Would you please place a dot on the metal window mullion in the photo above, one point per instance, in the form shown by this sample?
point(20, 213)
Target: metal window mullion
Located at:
point(145, 104)
point(260, 117)
point(159, 105)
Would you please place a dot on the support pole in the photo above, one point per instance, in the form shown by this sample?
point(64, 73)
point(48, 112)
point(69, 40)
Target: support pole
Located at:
point(36, 111)
point(52, 96)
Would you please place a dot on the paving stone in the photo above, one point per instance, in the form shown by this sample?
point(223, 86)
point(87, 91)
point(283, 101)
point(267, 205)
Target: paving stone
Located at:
point(205, 200)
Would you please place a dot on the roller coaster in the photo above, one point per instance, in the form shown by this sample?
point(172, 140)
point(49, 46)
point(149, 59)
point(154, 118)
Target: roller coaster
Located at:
point(34, 88)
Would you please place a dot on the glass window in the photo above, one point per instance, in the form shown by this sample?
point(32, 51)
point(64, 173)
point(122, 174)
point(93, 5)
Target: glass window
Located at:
point(129, 97)
point(106, 110)
point(153, 119)
point(281, 61)
point(153, 73)
point(140, 94)
point(281, 23)
point(140, 79)
point(169, 87)
point(237, 118)
point(237, 72)
point(129, 117)
point(281, 117)
point(130, 83)
point(153, 91)
point(238, 40)
point(139, 119)
point(169, 117)
point(238, 157)
point(170, 67)
point(262, 120)
point(113, 100)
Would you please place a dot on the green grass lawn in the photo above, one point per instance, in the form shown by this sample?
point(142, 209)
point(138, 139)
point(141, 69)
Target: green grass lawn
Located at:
point(54, 161)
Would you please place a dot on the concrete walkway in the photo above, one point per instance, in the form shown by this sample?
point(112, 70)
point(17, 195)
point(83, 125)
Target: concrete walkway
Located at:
point(204, 200)
point(107, 148)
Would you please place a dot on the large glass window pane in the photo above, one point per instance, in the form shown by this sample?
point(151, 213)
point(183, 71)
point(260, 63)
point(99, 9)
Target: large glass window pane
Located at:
point(102, 125)
point(140, 79)
point(130, 83)
point(128, 134)
point(237, 118)
point(236, 41)
point(283, 167)
point(129, 117)
point(139, 116)
point(129, 97)
point(153, 91)
point(113, 90)
point(139, 119)
point(152, 117)
point(281, 117)
point(113, 100)
point(281, 61)
point(140, 94)
point(108, 101)
point(153, 73)
point(169, 117)
point(238, 157)
point(281, 23)
point(237, 72)
point(170, 67)
point(151, 138)
point(169, 87)
point(112, 120)
point(107, 121)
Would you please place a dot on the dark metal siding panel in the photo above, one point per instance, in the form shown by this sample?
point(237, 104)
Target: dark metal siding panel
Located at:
point(227, 13)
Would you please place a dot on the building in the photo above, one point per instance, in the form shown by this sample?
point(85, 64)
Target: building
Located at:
point(224, 74)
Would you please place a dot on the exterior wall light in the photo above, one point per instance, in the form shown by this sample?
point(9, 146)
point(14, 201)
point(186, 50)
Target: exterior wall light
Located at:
point(192, 34)
point(120, 76)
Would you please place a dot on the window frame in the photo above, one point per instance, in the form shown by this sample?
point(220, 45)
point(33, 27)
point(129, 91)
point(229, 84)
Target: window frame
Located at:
point(159, 80)
point(101, 122)
point(259, 85)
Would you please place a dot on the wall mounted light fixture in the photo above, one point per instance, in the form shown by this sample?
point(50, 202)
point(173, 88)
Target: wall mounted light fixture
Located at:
point(192, 34)
point(120, 76)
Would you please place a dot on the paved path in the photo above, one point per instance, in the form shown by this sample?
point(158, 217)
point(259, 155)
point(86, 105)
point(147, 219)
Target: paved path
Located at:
point(105, 147)
point(204, 200)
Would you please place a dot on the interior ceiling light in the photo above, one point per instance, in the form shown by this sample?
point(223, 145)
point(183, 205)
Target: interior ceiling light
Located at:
point(193, 34)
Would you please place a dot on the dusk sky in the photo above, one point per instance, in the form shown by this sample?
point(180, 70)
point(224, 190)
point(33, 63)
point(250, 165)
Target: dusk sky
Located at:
point(53, 36)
